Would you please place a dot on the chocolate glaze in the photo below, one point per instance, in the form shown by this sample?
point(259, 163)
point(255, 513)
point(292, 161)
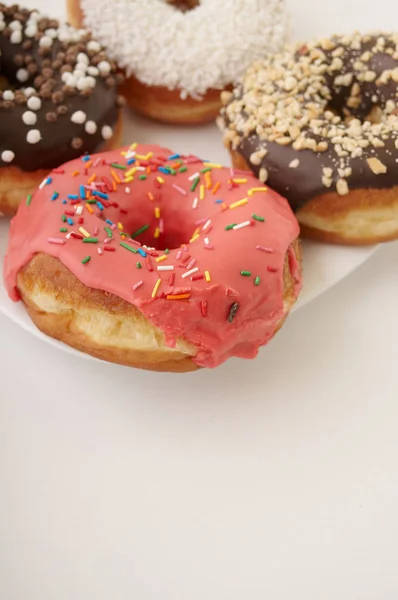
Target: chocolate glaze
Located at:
point(61, 139)
point(303, 183)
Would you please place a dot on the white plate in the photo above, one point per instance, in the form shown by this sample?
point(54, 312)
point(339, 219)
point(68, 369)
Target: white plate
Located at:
point(324, 265)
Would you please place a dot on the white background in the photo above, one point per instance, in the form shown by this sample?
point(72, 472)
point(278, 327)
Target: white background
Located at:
point(273, 479)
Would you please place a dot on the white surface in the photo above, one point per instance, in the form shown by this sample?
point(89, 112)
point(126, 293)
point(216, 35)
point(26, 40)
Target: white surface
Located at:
point(271, 479)
point(324, 265)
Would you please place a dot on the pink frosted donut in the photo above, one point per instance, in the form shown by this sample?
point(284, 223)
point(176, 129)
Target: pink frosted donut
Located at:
point(154, 259)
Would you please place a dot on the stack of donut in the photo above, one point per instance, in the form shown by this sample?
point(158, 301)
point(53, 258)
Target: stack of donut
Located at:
point(156, 259)
point(59, 99)
point(179, 54)
point(319, 124)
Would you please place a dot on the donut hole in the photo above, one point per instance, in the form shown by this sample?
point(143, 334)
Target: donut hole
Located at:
point(168, 240)
point(167, 233)
point(184, 5)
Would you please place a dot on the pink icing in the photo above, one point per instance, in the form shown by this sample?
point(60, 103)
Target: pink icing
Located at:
point(206, 267)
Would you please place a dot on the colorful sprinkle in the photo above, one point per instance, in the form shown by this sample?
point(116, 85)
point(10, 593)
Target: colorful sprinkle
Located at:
point(140, 230)
point(246, 273)
point(86, 259)
point(84, 232)
point(52, 240)
point(189, 273)
point(137, 285)
point(29, 199)
point(241, 225)
point(238, 203)
point(232, 311)
point(156, 288)
point(258, 218)
point(257, 280)
point(178, 297)
point(264, 249)
point(254, 190)
point(128, 247)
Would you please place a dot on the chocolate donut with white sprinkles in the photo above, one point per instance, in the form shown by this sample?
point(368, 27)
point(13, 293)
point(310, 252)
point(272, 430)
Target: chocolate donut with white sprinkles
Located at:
point(58, 99)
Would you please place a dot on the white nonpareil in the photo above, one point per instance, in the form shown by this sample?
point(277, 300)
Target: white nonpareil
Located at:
point(208, 47)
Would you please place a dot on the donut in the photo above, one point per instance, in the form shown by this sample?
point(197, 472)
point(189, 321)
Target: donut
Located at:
point(58, 99)
point(178, 54)
point(319, 124)
point(153, 259)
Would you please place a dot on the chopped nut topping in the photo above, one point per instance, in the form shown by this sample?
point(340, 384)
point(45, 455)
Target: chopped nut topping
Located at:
point(263, 175)
point(294, 99)
point(342, 187)
point(376, 166)
point(327, 181)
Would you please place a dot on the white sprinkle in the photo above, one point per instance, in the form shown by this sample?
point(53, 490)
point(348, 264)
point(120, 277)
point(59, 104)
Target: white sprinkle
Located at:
point(166, 268)
point(90, 127)
point(82, 57)
point(195, 203)
point(8, 95)
point(79, 210)
point(81, 83)
point(206, 225)
point(104, 67)
point(191, 272)
point(207, 241)
point(93, 71)
point(127, 190)
point(7, 156)
point(70, 80)
point(33, 137)
point(106, 132)
point(15, 25)
point(93, 46)
point(240, 225)
point(52, 33)
point(45, 42)
point(141, 25)
point(90, 81)
point(43, 183)
point(22, 75)
point(29, 117)
point(100, 251)
point(31, 31)
point(29, 91)
point(78, 117)
point(194, 176)
point(16, 37)
point(34, 103)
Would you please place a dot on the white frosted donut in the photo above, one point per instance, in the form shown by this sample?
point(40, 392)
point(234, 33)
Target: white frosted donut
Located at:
point(206, 48)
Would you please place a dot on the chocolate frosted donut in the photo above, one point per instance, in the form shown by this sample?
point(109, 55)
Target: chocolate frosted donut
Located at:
point(320, 125)
point(59, 99)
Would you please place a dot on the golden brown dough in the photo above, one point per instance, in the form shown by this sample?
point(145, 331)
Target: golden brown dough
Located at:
point(102, 324)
